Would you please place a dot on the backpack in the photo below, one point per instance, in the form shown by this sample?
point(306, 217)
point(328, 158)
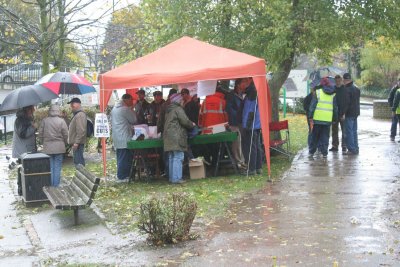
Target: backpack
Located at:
point(89, 125)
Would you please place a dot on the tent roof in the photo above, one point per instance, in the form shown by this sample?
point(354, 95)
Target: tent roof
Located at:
point(184, 60)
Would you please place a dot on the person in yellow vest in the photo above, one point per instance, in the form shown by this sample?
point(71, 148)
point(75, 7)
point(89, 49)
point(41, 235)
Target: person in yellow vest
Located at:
point(323, 110)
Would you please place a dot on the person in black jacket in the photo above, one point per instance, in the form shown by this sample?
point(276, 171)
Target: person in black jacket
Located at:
point(351, 112)
point(393, 128)
point(340, 100)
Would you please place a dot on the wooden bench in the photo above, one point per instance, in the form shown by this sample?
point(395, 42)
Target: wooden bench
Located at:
point(76, 195)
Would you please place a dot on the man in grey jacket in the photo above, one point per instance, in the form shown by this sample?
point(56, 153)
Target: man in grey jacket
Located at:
point(77, 131)
point(122, 120)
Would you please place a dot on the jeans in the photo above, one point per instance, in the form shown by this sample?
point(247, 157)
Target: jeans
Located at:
point(253, 152)
point(124, 163)
point(351, 134)
point(55, 167)
point(393, 129)
point(335, 134)
point(319, 139)
point(175, 159)
point(78, 155)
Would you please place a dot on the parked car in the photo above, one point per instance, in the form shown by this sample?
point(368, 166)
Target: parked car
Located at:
point(23, 72)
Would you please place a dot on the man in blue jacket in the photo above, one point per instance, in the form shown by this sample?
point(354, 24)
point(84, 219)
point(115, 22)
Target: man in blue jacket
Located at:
point(323, 110)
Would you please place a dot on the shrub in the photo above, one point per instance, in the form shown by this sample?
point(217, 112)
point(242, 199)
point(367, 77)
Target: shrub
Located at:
point(167, 219)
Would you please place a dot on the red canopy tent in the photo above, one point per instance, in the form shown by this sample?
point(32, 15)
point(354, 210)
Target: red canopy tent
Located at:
point(189, 60)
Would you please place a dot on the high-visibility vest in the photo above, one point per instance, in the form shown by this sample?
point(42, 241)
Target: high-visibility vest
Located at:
point(324, 109)
point(398, 107)
point(212, 111)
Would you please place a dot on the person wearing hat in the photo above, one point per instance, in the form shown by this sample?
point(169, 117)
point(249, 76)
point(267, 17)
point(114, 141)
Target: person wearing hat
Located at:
point(142, 108)
point(77, 131)
point(323, 111)
point(161, 117)
point(351, 112)
point(191, 108)
point(155, 107)
point(175, 137)
point(341, 100)
point(395, 120)
point(53, 134)
point(122, 119)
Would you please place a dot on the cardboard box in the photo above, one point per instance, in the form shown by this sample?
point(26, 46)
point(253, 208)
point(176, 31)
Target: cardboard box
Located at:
point(197, 169)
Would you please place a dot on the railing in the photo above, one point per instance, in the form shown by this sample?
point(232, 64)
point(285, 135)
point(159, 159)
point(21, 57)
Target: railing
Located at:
point(29, 73)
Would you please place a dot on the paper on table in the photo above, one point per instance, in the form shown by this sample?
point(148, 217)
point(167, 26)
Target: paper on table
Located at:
point(205, 88)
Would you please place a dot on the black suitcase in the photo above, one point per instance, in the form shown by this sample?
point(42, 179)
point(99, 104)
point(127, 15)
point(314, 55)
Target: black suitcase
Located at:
point(35, 173)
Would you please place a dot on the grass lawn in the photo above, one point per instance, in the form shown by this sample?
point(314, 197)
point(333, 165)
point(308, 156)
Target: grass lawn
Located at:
point(120, 202)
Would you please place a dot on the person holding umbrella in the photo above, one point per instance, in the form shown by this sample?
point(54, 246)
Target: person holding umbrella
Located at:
point(53, 134)
point(77, 131)
point(24, 140)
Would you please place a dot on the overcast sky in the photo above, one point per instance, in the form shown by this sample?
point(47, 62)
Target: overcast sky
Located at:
point(96, 9)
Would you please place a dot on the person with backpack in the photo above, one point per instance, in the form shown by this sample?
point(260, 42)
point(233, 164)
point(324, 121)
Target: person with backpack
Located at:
point(77, 132)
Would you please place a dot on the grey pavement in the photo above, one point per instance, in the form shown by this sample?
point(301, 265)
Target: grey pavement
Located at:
point(339, 212)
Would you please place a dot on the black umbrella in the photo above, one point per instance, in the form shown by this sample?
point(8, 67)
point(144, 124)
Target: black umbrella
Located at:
point(27, 96)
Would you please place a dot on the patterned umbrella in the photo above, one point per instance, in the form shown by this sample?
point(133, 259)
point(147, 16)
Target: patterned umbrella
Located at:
point(26, 96)
point(66, 83)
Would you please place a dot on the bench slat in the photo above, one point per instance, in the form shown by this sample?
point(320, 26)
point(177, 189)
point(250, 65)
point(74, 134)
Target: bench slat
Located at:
point(58, 197)
point(53, 194)
point(75, 199)
point(79, 192)
point(81, 176)
point(86, 191)
point(88, 174)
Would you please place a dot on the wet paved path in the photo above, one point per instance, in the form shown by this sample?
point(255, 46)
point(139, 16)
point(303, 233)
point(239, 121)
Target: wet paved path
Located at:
point(344, 210)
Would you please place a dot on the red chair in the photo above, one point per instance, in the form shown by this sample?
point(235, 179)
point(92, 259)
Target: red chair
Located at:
point(278, 144)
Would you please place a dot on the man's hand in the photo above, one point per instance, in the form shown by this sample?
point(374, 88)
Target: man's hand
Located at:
point(75, 147)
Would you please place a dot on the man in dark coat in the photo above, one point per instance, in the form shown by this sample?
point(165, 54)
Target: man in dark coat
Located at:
point(393, 128)
point(191, 108)
point(143, 109)
point(340, 100)
point(155, 107)
point(351, 112)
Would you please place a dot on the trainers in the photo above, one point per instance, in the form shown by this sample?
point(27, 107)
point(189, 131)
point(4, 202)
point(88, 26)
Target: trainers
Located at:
point(325, 156)
point(392, 138)
point(311, 156)
point(334, 149)
point(259, 171)
point(118, 181)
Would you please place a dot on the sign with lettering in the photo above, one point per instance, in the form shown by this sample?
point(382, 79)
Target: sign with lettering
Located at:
point(101, 126)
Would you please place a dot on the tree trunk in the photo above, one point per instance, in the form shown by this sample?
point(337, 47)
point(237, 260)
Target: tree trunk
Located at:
point(44, 46)
point(61, 31)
